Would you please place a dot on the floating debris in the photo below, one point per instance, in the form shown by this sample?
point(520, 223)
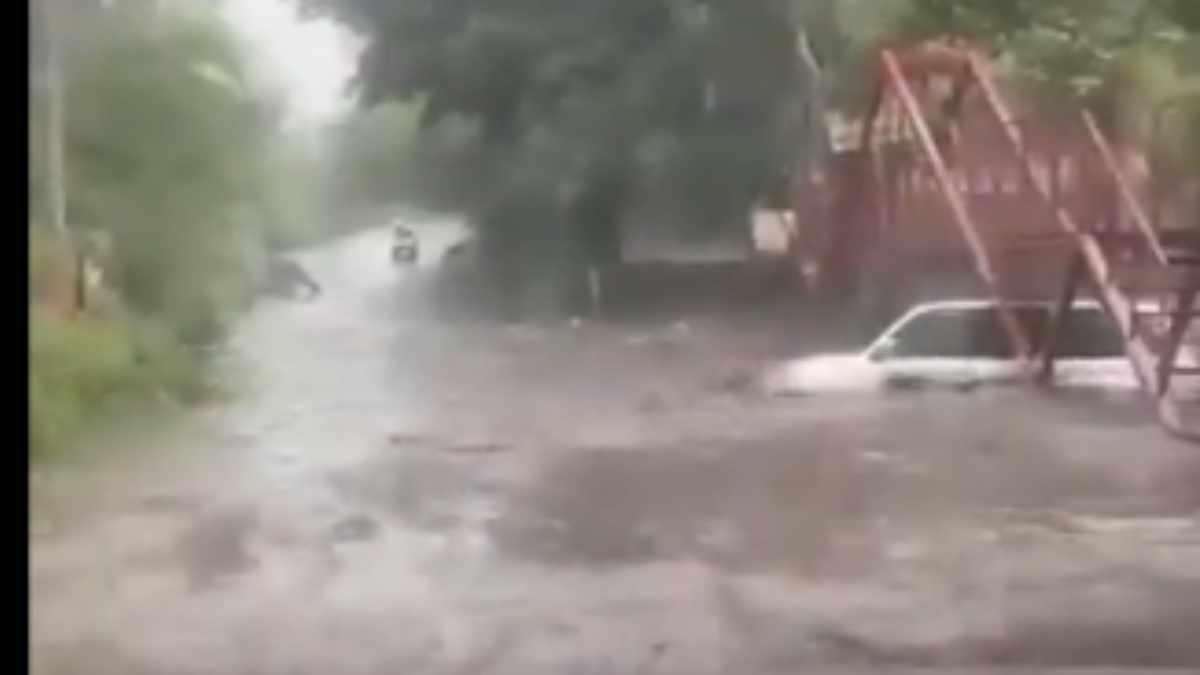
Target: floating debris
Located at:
point(484, 448)
point(354, 528)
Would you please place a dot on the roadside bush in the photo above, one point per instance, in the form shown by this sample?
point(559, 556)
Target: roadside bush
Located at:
point(51, 268)
point(175, 161)
point(81, 369)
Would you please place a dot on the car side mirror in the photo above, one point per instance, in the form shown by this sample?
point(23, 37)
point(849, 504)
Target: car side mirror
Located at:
point(885, 350)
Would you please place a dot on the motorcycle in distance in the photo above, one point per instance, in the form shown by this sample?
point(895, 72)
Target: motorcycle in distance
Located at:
point(404, 246)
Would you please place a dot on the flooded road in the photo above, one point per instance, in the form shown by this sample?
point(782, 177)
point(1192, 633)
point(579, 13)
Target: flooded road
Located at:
point(392, 490)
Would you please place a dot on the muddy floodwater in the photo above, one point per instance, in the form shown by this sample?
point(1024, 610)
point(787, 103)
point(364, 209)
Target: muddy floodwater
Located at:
point(393, 490)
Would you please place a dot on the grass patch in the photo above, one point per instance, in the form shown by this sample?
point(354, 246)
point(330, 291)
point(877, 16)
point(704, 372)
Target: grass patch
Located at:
point(84, 370)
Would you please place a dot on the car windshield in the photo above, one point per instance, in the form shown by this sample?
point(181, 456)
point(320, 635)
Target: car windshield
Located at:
point(978, 332)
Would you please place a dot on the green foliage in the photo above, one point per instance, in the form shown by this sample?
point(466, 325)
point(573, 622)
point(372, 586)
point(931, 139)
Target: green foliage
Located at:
point(1122, 58)
point(1070, 44)
point(181, 166)
point(82, 370)
point(44, 260)
point(171, 153)
point(289, 206)
point(553, 93)
point(157, 153)
point(371, 154)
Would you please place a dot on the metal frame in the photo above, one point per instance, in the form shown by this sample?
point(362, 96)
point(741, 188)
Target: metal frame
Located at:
point(1152, 355)
point(896, 79)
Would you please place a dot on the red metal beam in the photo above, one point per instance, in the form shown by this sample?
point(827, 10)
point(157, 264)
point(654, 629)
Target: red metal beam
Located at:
point(1124, 188)
point(1120, 307)
point(1180, 320)
point(1066, 299)
point(958, 207)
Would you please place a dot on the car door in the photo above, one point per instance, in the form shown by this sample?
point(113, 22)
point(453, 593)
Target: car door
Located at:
point(1091, 353)
point(992, 355)
point(931, 348)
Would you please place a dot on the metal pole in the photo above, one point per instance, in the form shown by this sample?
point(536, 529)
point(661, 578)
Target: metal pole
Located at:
point(1124, 188)
point(958, 207)
point(55, 113)
point(1121, 308)
point(1076, 270)
point(56, 148)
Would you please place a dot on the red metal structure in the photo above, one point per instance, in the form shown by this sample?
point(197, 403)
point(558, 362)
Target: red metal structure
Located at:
point(951, 181)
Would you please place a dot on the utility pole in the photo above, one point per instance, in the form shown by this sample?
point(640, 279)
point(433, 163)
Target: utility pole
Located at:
point(55, 116)
point(815, 102)
point(56, 178)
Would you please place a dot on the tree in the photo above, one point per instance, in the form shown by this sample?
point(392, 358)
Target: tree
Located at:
point(566, 93)
point(177, 171)
point(378, 159)
point(1121, 58)
point(168, 153)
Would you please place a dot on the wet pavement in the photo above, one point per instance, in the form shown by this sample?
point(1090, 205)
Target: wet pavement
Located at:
point(393, 490)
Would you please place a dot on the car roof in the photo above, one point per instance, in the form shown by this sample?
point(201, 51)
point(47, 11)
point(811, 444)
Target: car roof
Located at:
point(988, 303)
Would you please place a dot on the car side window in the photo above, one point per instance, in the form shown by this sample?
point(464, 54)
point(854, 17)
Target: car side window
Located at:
point(1090, 334)
point(989, 338)
point(943, 333)
point(965, 333)
point(1034, 320)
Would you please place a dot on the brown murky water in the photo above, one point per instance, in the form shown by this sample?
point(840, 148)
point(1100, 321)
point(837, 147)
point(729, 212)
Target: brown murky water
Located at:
point(397, 492)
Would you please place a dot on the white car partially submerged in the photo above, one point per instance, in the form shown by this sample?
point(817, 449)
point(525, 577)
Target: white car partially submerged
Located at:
point(962, 343)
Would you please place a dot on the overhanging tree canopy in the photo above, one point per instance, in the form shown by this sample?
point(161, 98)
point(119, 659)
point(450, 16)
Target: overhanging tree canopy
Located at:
point(567, 91)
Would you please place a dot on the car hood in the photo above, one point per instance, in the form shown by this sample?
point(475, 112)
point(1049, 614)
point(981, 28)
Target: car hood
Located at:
point(822, 373)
